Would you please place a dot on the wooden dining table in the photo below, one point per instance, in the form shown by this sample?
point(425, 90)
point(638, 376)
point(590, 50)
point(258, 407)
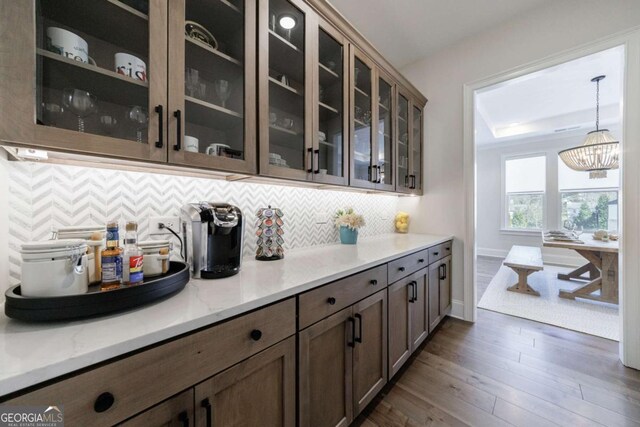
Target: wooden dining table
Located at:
point(600, 272)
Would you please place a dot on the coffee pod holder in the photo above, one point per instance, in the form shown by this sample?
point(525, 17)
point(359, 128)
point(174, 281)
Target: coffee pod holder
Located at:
point(269, 232)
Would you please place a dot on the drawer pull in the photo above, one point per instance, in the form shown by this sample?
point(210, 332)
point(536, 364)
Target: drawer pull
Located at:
point(374, 282)
point(206, 404)
point(359, 338)
point(447, 249)
point(421, 260)
point(256, 334)
point(331, 300)
point(353, 332)
point(104, 402)
point(183, 417)
point(412, 295)
point(436, 253)
point(400, 268)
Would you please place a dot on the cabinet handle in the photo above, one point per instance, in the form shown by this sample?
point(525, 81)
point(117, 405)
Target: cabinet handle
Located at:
point(256, 334)
point(401, 268)
point(370, 173)
point(436, 253)
point(183, 417)
point(310, 159)
point(331, 300)
point(379, 174)
point(178, 115)
point(353, 332)
point(421, 260)
point(359, 339)
point(160, 110)
point(103, 402)
point(445, 270)
point(413, 291)
point(206, 404)
point(316, 158)
point(441, 271)
point(374, 282)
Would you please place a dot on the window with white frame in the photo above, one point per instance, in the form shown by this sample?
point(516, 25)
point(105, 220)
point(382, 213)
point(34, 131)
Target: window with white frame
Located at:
point(589, 204)
point(524, 187)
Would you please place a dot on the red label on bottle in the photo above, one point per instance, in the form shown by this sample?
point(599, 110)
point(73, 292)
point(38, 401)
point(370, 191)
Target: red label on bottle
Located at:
point(135, 269)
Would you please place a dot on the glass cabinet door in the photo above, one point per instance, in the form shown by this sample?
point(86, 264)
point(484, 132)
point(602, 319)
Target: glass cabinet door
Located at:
point(363, 172)
point(284, 87)
point(100, 71)
point(329, 159)
point(416, 150)
point(209, 75)
point(403, 182)
point(384, 136)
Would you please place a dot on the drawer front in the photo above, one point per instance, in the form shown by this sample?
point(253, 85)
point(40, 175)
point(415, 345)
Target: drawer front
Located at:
point(116, 391)
point(404, 266)
point(322, 302)
point(440, 251)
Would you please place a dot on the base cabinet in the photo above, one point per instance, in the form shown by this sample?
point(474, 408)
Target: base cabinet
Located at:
point(174, 412)
point(440, 291)
point(259, 391)
point(342, 361)
point(408, 317)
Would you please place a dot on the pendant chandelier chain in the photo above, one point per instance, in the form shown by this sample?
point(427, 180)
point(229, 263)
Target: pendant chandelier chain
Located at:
point(597, 105)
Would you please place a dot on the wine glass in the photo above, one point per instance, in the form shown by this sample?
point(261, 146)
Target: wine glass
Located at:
point(192, 81)
point(577, 231)
point(81, 103)
point(223, 91)
point(139, 117)
point(108, 123)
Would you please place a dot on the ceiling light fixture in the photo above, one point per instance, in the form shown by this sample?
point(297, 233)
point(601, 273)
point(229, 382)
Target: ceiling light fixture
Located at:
point(600, 150)
point(287, 21)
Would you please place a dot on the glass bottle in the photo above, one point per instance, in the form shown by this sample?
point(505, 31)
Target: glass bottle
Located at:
point(112, 259)
point(132, 269)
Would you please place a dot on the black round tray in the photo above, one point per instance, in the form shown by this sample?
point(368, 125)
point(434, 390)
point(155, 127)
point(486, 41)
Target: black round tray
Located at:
point(96, 302)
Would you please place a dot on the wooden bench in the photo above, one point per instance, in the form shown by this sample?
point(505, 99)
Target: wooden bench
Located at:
point(524, 260)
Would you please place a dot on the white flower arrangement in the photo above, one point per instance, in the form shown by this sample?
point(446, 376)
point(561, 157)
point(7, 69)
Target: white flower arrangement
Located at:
point(348, 218)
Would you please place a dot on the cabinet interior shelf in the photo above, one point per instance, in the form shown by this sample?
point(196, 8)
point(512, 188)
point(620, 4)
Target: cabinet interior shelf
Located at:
point(284, 41)
point(92, 68)
point(212, 106)
point(328, 144)
point(402, 119)
point(360, 123)
point(214, 51)
point(284, 130)
point(284, 86)
point(230, 6)
point(329, 108)
point(361, 92)
point(328, 70)
point(383, 107)
point(129, 9)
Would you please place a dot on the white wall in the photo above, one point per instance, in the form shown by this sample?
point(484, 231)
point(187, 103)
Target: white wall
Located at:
point(4, 222)
point(490, 240)
point(558, 26)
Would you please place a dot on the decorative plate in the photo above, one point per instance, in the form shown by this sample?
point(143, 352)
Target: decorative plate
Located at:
point(200, 34)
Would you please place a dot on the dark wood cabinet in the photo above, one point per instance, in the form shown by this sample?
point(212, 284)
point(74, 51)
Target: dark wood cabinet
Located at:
point(259, 391)
point(440, 289)
point(174, 412)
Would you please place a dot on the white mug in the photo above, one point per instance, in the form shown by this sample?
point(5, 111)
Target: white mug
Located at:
point(212, 150)
point(68, 44)
point(191, 144)
point(130, 66)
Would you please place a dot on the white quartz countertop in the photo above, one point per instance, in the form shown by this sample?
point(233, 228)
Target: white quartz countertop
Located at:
point(34, 353)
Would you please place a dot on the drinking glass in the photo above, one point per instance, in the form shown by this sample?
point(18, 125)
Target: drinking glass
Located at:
point(81, 103)
point(223, 91)
point(577, 232)
point(139, 117)
point(52, 112)
point(108, 123)
point(192, 81)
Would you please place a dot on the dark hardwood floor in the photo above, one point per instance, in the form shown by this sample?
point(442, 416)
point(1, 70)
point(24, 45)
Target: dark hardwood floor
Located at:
point(505, 370)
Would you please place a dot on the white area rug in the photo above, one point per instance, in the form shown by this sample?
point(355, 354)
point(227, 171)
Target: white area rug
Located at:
point(591, 317)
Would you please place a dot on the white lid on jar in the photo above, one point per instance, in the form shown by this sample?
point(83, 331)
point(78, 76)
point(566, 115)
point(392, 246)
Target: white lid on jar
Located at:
point(53, 249)
point(154, 244)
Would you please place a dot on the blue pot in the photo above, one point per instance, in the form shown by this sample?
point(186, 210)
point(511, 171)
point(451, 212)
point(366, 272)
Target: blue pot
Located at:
point(348, 236)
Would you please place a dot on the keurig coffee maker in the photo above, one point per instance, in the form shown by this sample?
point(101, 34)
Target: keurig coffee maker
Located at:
point(213, 238)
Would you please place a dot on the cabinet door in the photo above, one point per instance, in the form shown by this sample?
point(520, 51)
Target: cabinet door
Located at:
point(325, 371)
point(370, 351)
point(285, 84)
point(419, 309)
point(330, 110)
point(445, 285)
point(403, 180)
point(399, 324)
point(415, 175)
point(212, 74)
point(174, 412)
point(434, 295)
point(361, 129)
point(100, 73)
point(384, 132)
point(257, 392)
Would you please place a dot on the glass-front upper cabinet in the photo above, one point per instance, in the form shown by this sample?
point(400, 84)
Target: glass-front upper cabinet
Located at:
point(416, 150)
point(403, 180)
point(330, 150)
point(285, 87)
point(100, 75)
point(384, 134)
point(364, 172)
point(211, 84)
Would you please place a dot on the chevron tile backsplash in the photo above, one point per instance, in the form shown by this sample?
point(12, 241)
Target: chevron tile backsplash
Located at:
point(44, 197)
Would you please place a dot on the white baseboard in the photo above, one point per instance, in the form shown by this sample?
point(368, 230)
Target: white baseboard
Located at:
point(569, 260)
point(457, 309)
